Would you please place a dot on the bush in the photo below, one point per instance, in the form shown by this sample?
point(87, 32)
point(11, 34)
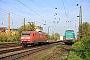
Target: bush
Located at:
point(3, 37)
point(11, 36)
point(82, 48)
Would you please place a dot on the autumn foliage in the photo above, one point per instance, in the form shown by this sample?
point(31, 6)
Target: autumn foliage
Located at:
point(81, 49)
point(11, 36)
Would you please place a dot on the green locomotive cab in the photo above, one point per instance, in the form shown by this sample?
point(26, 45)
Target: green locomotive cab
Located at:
point(69, 37)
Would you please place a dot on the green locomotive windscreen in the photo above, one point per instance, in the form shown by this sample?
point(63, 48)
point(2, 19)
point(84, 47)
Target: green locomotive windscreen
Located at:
point(69, 34)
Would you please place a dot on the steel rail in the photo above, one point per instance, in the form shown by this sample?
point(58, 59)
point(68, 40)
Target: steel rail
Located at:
point(22, 53)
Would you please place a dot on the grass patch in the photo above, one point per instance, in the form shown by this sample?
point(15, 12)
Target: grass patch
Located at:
point(54, 56)
point(65, 52)
point(63, 58)
point(59, 52)
point(8, 42)
point(60, 46)
point(73, 52)
point(41, 57)
point(80, 49)
point(73, 56)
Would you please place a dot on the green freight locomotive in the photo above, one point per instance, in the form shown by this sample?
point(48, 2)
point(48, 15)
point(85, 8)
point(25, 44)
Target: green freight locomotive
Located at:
point(69, 37)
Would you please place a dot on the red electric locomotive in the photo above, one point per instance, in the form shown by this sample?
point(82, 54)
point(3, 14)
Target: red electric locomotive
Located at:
point(32, 37)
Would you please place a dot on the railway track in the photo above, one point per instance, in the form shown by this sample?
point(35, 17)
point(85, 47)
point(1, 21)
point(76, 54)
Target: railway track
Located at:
point(6, 50)
point(9, 45)
point(58, 54)
point(17, 54)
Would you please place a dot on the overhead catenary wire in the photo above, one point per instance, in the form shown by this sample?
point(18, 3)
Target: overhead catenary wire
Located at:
point(31, 9)
point(15, 13)
point(10, 12)
point(59, 17)
point(20, 16)
point(38, 5)
point(65, 9)
point(87, 6)
point(28, 7)
point(56, 16)
point(74, 6)
point(50, 4)
point(9, 5)
point(66, 5)
point(55, 7)
point(70, 11)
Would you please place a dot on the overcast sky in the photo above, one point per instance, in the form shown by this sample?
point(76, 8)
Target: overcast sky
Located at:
point(60, 15)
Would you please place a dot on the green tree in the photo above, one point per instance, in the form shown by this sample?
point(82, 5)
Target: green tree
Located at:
point(84, 29)
point(55, 36)
point(81, 48)
point(48, 36)
point(32, 26)
point(27, 27)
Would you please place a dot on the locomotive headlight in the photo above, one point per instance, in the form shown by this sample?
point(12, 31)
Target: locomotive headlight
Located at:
point(22, 38)
point(28, 37)
point(47, 41)
point(66, 38)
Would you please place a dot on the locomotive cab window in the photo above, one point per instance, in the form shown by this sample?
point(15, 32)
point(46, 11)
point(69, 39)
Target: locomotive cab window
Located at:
point(25, 33)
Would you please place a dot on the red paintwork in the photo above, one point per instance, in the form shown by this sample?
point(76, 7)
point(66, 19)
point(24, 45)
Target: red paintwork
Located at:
point(35, 37)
